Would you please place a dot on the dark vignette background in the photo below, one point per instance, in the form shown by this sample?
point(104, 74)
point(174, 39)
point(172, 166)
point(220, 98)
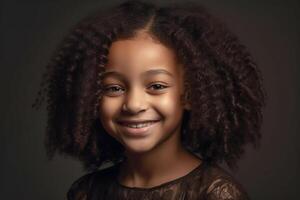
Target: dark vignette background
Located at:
point(30, 31)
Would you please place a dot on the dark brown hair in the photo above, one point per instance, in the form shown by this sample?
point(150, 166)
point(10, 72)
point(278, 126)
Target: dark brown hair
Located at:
point(223, 84)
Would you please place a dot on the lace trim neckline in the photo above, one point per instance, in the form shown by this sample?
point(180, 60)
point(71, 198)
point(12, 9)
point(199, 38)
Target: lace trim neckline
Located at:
point(174, 181)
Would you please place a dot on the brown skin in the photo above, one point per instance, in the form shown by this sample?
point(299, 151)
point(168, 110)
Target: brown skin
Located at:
point(158, 156)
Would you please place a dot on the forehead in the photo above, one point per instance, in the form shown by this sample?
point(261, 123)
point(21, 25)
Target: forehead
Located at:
point(141, 53)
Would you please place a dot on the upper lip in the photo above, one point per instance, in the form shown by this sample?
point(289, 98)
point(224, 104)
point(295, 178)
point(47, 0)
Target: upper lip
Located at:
point(137, 121)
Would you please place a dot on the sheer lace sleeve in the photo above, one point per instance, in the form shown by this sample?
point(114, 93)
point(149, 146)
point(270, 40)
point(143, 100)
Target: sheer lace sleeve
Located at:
point(79, 189)
point(225, 189)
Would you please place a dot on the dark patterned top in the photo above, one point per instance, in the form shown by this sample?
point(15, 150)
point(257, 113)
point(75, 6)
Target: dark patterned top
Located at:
point(205, 182)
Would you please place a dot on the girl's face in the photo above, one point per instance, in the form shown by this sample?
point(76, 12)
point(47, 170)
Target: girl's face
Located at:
point(141, 106)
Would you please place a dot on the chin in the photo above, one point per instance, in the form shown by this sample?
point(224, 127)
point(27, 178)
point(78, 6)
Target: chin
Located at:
point(138, 147)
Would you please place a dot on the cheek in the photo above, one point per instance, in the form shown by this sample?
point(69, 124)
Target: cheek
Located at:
point(169, 104)
point(108, 109)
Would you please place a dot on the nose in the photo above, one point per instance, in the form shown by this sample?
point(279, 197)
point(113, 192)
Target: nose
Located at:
point(135, 101)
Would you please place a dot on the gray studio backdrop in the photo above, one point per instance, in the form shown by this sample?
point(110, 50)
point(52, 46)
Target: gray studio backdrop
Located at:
point(30, 31)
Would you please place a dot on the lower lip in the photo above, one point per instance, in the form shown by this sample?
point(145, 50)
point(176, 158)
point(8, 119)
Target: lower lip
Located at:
point(138, 132)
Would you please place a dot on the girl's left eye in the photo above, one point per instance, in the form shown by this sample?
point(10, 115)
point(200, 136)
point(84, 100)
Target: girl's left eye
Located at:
point(158, 86)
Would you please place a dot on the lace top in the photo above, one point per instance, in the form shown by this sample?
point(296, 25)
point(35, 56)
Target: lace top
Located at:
point(205, 182)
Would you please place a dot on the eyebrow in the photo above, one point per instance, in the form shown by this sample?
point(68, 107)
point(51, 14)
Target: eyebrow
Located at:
point(149, 72)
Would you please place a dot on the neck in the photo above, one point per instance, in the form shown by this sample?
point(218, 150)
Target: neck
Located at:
point(157, 166)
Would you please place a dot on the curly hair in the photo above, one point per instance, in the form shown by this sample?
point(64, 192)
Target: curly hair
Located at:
point(223, 84)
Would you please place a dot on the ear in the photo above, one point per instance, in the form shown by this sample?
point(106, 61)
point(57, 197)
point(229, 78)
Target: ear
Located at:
point(186, 104)
point(185, 95)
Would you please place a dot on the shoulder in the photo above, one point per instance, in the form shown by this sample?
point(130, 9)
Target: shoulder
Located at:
point(81, 188)
point(220, 185)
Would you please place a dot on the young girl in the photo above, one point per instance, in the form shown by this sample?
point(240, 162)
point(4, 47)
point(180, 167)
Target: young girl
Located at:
point(165, 94)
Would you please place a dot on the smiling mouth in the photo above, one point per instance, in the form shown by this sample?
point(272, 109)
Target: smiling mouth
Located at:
point(137, 128)
point(139, 125)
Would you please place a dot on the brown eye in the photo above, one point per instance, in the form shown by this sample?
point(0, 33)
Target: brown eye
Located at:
point(158, 86)
point(113, 90)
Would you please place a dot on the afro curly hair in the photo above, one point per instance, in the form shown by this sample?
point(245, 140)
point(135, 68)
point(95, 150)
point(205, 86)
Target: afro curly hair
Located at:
point(223, 84)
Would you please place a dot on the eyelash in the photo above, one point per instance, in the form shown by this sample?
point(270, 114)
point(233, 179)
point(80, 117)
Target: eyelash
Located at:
point(108, 89)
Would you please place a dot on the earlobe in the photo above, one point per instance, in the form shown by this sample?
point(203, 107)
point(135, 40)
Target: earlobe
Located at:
point(187, 106)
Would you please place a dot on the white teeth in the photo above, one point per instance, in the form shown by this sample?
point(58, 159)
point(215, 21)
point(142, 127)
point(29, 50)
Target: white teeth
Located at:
point(140, 125)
